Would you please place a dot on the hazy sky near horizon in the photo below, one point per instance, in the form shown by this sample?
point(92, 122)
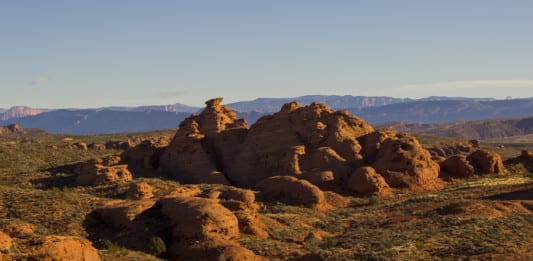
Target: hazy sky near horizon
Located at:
point(65, 53)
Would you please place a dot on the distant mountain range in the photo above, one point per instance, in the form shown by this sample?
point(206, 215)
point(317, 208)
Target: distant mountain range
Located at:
point(480, 129)
point(375, 110)
point(178, 107)
point(269, 105)
point(441, 111)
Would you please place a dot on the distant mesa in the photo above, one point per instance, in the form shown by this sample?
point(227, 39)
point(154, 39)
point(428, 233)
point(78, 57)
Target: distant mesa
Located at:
point(19, 112)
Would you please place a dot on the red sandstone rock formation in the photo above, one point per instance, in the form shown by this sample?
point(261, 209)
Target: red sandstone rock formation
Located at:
point(204, 144)
point(486, 162)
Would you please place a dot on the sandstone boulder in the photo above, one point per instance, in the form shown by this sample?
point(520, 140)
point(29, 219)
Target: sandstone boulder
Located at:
point(141, 190)
point(121, 213)
point(80, 145)
point(96, 174)
point(486, 162)
point(203, 230)
point(97, 146)
point(199, 219)
point(323, 179)
point(147, 153)
point(292, 190)
point(458, 166)
point(366, 182)
point(243, 195)
point(404, 163)
point(65, 248)
point(242, 203)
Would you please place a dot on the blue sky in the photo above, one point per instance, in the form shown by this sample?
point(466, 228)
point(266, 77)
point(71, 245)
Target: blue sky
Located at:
point(58, 54)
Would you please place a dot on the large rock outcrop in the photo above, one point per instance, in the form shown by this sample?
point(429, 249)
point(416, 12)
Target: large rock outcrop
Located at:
point(292, 190)
point(93, 173)
point(204, 144)
point(299, 139)
point(458, 166)
point(310, 142)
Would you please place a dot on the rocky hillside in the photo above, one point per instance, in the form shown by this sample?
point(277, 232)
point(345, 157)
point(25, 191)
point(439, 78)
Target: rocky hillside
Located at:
point(482, 129)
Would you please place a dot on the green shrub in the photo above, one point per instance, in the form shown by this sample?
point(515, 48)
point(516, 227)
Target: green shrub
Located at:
point(157, 246)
